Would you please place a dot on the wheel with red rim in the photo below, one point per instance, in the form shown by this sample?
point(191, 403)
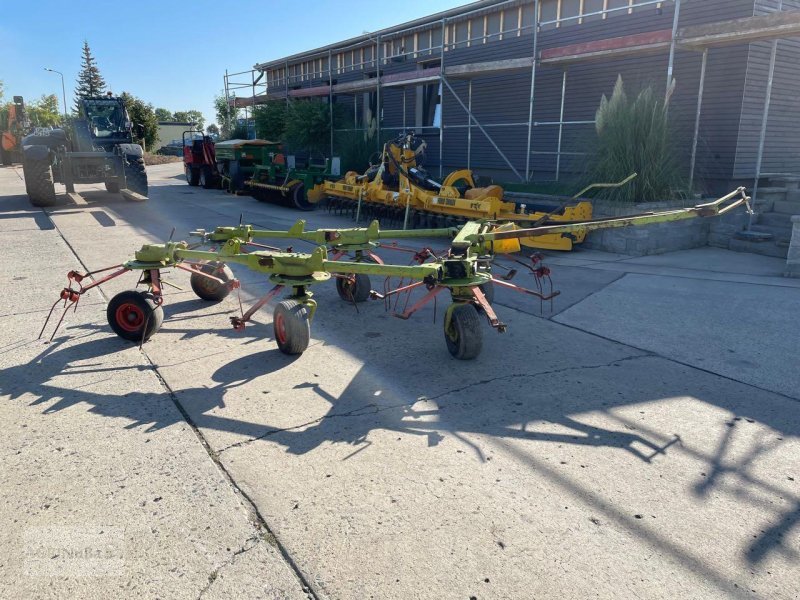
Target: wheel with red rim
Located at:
point(134, 315)
point(355, 288)
point(292, 327)
point(208, 289)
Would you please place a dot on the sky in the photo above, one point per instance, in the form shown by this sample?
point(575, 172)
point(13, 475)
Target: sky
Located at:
point(173, 54)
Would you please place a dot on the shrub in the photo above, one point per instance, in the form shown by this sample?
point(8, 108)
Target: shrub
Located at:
point(270, 119)
point(635, 136)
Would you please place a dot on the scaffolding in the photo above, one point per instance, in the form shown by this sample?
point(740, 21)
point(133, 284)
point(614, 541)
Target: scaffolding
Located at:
point(695, 38)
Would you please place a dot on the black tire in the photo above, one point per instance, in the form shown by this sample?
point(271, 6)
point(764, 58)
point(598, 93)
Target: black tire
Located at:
point(136, 175)
point(134, 315)
point(291, 326)
point(208, 289)
point(39, 182)
point(112, 187)
point(192, 175)
point(5, 157)
point(357, 291)
point(299, 198)
point(464, 338)
point(236, 175)
point(206, 177)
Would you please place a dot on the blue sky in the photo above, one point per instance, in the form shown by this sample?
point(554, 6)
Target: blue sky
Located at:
point(174, 53)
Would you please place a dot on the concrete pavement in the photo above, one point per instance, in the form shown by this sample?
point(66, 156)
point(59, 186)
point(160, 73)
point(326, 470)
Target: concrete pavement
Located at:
point(640, 441)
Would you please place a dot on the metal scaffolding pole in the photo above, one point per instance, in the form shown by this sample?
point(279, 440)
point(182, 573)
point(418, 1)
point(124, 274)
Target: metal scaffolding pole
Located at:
point(479, 126)
point(696, 136)
point(469, 125)
point(286, 78)
point(441, 100)
point(533, 88)
point(764, 121)
point(330, 99)
point(561, 124)
point(378, 91)
point(671, 62)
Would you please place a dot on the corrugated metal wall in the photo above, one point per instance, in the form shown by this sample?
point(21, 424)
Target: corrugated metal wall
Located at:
point(735, 82)
point(781, 149)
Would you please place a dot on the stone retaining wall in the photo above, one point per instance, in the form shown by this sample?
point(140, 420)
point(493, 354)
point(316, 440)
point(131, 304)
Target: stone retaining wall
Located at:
point(648, 239)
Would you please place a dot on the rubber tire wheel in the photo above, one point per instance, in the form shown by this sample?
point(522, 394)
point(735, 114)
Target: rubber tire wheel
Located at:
point(291, 326)
point(192, 175)
point(466, 325)
point(299, 197)
point(142, 302)
point(136, 176)
point(358, 291)
point(39, 182)
point(112, 187)
point(206, 178)
point(208, 289)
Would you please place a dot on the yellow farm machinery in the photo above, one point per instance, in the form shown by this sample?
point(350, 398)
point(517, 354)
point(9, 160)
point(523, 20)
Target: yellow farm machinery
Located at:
point(397, 188)
point(465, 270)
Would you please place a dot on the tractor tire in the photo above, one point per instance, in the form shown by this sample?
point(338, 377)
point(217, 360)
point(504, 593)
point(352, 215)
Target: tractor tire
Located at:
point(136, 176)
point(357, 291)
point(112, 187)
point(208, 289)
point(292, 327)
point(299, 198)
point(463, 336)
point(192, 175)
point(134, 315)
point(206, 178)
point(39, 182)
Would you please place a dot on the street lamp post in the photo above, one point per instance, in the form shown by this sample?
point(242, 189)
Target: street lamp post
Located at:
point(63, 90)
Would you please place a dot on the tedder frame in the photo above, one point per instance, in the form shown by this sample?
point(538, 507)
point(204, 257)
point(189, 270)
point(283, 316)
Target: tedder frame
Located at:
point(465, 270)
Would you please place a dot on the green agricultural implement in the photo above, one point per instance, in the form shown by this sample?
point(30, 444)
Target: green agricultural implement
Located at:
point(464, 270)
point(261, 167)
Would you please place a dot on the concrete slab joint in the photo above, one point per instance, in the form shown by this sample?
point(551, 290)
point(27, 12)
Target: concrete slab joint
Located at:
point(793, 257)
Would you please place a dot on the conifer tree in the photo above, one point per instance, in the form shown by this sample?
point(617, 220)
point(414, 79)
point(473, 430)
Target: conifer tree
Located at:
point(90, 82)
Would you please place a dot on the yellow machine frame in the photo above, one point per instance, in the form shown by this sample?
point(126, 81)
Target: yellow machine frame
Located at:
point(414, 192)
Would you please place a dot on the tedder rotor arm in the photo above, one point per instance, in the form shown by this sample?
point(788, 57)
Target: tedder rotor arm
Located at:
point(337, 237)
point(711, 209)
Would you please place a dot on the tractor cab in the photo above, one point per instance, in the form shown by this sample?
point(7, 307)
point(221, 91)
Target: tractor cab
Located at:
point(103, 122)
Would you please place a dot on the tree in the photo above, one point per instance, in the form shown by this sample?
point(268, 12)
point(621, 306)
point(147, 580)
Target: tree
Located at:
point(162, 114)
point(44, 112)
point(90, 82)
point(308, 125)
point(212, 129)
point(226, 116)
point(145, 115)
point(271, 119)
point(191, 116)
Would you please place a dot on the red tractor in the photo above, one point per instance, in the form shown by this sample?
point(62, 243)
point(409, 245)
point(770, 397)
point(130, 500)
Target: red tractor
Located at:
point(199, 160)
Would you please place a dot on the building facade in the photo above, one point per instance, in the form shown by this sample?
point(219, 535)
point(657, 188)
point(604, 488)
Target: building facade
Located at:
point(510, 88)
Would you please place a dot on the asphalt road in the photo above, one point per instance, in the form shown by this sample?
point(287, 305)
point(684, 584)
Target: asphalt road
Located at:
point(639, 440)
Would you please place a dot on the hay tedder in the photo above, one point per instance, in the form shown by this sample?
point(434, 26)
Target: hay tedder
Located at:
point(465, 269)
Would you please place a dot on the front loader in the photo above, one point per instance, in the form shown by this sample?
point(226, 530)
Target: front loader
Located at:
point(97, 147)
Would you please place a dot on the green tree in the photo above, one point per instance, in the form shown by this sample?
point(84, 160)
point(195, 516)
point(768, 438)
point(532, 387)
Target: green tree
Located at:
point(226, 116)
point(308, 125)
point(90, 82)
point(191, 116)
point(142, 114)
point(44, 112)
point(162, 114)
point(271, 120)
point(212, 129)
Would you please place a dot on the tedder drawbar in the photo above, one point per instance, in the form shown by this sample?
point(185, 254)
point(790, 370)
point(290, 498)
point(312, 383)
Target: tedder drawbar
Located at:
point(465, 270)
